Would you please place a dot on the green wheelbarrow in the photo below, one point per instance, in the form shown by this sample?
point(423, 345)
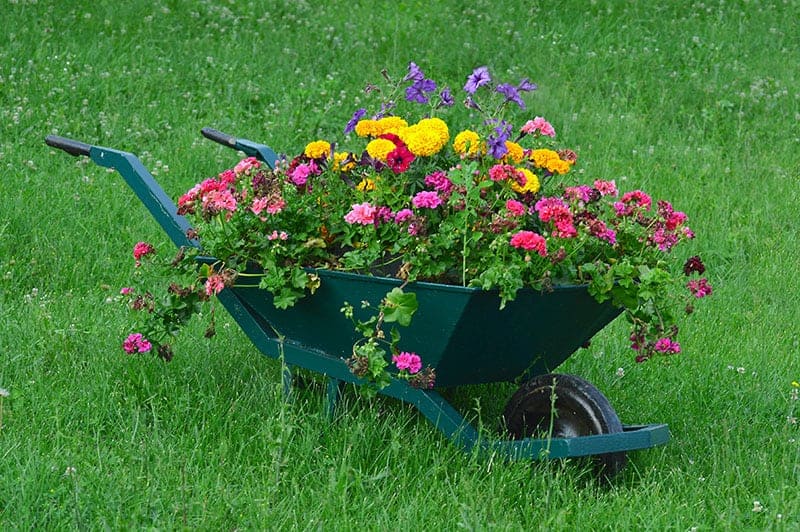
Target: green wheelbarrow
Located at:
point(466, 338)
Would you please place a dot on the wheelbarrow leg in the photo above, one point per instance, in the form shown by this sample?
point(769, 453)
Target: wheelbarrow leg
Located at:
point(334, 394)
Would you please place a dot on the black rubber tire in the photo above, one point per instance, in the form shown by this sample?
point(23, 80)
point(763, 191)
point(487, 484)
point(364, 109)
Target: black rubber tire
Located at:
point(580, 410)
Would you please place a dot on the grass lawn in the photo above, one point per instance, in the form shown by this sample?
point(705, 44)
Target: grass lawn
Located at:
point(698, 102)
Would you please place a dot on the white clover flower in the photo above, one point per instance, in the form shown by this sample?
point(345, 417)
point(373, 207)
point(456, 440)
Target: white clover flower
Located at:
point(757, 507)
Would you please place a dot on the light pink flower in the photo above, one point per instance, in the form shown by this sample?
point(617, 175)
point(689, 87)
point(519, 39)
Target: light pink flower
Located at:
point(538, 124)
point(409, 361)
point(530, 241)
point(275, 235)
point(362, 213)
point(214, 284)
point(219, 200)
point(426, 199)
point(126, 290)
point(276, 205)
point(259, 204)
point(246, 164)
point(579, 193)
point(606, 188)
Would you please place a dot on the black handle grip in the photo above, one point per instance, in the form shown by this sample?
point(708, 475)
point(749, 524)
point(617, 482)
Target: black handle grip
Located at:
point(73, 147)
point(219, 136)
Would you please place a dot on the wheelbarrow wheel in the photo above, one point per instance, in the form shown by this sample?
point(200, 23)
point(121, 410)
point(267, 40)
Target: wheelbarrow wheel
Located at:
point(573, 406)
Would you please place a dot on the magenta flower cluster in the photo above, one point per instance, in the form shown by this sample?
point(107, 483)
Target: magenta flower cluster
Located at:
point(410, 362)
point(136, 343)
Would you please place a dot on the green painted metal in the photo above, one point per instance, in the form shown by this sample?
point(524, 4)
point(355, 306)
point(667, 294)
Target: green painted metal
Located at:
point(458, 330)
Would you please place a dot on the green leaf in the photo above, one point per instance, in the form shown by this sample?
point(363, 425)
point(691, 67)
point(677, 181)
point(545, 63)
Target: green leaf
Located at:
point(399, 306)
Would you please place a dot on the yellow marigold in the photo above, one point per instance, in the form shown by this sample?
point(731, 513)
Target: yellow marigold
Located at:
point(468, 143)
point(366, 128)
point(515, 152)
point(318, 149)
point(338, 158)
point(380, 148)
point(543, 157)
point(389, 124)
point(532, 184)
point(366, 185)
point(426, 137)
point(439, 126)
point(559, 167)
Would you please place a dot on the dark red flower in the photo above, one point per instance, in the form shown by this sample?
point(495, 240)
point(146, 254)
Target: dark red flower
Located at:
point(694, 264)
point(399, 159)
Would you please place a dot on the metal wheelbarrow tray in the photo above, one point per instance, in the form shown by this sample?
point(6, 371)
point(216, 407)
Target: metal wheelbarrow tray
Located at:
point(462, 332)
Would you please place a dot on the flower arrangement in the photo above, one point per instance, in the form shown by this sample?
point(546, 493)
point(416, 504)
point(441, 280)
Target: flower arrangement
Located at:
point(494, 205)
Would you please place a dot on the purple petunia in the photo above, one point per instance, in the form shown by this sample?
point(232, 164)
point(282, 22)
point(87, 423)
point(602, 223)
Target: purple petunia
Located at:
point(511, 93)
point(417, 91)
point(351, 124)
point(414, 73)
point(497, 140)
point(479, 77)
point(526, 85)
point(445, 98)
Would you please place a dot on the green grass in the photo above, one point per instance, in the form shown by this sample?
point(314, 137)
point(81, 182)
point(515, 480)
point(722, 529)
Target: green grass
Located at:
point(698, 102)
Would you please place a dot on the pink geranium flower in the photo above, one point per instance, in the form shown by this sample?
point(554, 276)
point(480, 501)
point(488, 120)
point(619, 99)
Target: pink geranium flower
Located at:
point(667, 345)
point(699, 287)
point(530, 241)
point(275, 235)
point(606, 188)
point(259, 204)
point(214, 284)
point(136, 343)
point(516, 208)
point(408, 361)
point(362, 213)
point(554, 210)
point(246, 164)
point(439, 181)
point(539, 124)
point(299, 176)
point(141, 250)
point(219, 200)
point(426, 199)
point(403, 215)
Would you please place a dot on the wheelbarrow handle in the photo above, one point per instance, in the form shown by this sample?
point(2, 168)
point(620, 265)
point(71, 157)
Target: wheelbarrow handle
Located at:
point(253, 149)
point(219, 137)
point(139, 179)
point(73, 147)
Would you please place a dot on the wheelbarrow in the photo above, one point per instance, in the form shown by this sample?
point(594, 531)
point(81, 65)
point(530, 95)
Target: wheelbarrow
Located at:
point(462, 332)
